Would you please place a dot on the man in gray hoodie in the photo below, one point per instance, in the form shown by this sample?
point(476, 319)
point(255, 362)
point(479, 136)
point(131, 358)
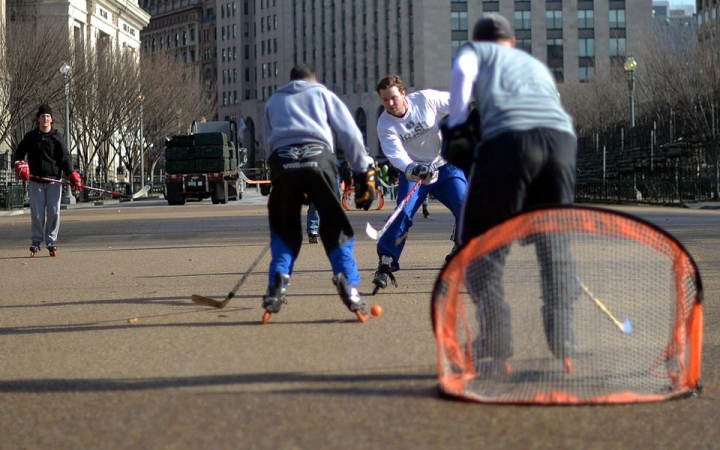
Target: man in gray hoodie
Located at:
point(300, 119)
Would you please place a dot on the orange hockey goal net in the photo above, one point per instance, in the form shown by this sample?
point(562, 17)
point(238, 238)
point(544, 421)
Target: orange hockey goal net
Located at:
point(569, 305)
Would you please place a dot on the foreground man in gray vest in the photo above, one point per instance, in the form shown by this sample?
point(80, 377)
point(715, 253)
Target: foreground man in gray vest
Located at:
point(526, 158)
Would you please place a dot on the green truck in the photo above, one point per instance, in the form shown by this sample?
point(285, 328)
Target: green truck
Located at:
point(204, 164)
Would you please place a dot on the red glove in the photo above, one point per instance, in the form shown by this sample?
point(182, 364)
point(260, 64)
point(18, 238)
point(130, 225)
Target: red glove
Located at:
point(22, 169)
point(75, 181)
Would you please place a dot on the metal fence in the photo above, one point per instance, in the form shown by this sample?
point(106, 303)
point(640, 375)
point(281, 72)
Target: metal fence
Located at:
point(651, 163)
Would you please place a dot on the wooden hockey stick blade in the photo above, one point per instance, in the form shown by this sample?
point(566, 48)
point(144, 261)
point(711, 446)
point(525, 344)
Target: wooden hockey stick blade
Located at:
point(207, 301)
point(199, 299)
point(141, 192)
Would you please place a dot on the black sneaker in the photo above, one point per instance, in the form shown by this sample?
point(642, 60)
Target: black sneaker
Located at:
point(313, 238)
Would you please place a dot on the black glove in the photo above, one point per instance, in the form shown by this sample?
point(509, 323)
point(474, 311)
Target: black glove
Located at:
point(365, 189)
point(417, 171)
point(459, 142)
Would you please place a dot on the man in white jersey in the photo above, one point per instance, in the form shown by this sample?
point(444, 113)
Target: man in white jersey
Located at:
point(410, 139)
point(527, 158)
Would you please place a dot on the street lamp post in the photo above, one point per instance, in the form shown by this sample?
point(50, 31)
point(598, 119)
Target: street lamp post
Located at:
point(141, 98)
point(67, 197)
point(630, 66)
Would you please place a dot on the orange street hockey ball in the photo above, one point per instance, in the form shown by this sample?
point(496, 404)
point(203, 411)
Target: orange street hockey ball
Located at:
point(376, 310)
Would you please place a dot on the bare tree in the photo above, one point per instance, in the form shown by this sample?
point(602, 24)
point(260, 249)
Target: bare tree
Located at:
point(29, 74)
point(683, 82)
point(104, 98)
point(597, 104)
point(173, 97)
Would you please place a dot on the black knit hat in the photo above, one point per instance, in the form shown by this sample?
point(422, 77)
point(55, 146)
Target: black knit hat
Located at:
point(44, 109)
point(492, 27)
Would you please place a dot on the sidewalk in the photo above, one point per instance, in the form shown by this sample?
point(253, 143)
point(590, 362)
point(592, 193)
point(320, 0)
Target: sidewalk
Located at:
point(251, 196)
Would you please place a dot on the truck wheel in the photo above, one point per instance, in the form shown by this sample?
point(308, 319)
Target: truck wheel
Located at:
point(215, 201)
point(176, 202)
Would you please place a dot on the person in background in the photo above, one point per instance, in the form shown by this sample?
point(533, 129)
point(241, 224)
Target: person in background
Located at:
point(47, 157)
point(313, 224)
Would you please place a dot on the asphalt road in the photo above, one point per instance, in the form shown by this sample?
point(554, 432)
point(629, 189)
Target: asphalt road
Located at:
point(101, 347)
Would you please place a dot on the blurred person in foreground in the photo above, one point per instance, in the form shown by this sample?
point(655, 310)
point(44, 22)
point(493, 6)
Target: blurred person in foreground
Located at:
point(526, 159)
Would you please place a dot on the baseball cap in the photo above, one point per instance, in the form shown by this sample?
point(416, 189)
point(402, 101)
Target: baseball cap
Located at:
point(492, 27)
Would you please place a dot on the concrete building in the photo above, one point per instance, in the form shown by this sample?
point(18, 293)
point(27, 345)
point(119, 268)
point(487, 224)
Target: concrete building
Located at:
point(107, 23)
point(354, 43)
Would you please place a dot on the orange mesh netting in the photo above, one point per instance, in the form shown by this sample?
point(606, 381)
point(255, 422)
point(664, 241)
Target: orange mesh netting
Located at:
point(569, 305)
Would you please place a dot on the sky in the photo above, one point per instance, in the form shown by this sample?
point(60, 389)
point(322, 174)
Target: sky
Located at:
point(675, 3)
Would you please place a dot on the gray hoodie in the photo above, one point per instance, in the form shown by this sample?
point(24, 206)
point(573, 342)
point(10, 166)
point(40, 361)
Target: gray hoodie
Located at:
point(303, 112)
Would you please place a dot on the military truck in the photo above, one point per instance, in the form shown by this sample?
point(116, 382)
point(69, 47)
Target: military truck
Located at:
point(204, 164)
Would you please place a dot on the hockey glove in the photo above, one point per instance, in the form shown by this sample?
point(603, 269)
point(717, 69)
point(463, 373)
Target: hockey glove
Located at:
point(23, 170)
point(459, 142)
point(365, 189)
point(426, 172)
point(75, 181)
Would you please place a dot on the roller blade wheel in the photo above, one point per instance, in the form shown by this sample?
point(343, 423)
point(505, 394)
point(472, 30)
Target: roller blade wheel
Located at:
point(34, 249)
point(313, 238)
point(266, 317)
point(53, 250)
point(567, 362)
point(362, 318)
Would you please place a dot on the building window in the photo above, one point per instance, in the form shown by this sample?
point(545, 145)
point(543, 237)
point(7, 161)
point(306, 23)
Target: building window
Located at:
point(586, 74)
point(586, 19)
point(554, 49)
point(617, 18)
point(617, 47)
point(456, 46)
point(553, 19)
point(586, 48)
point(459, 21)
point(522, 20)
point(524, 44)
point(558, 73)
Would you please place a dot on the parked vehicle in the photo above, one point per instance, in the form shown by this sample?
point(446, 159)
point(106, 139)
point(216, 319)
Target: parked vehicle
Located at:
point(204, 164)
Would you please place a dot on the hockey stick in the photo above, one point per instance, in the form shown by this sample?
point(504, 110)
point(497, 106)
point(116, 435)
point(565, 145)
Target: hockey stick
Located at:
point(138, 194)
point(199, 299)
point(625, 326)
point(375, 234)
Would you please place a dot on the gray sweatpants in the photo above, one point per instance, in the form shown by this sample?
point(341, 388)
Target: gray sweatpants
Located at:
point(45, 211)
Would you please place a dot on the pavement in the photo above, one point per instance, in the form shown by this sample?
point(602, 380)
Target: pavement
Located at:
point(102, 347)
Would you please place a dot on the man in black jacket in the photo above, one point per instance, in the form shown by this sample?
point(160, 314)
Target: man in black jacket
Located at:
point(47, 157)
